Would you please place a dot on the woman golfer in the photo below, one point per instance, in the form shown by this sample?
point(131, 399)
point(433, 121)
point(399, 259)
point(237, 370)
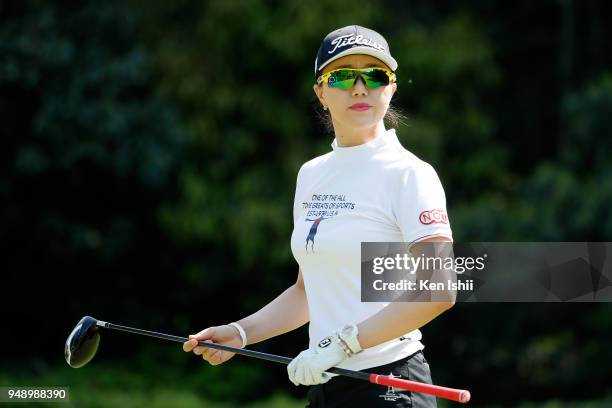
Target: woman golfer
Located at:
point(368, 188)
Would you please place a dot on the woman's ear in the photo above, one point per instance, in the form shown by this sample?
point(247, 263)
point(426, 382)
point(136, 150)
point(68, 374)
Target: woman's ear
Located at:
point(319, 92)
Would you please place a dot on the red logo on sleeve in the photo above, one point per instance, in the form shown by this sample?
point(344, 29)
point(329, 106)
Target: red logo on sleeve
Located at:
point(433, 216)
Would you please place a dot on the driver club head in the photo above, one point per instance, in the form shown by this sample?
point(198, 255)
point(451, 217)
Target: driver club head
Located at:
point(82, 344)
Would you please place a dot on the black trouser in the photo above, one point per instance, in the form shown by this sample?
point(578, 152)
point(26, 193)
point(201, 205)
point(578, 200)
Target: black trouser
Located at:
point(348, 392)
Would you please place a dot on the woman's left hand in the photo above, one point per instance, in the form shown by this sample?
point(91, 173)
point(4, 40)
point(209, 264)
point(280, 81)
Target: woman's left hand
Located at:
point(308, 368)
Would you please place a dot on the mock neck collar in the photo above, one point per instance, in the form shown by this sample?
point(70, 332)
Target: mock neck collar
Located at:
point(371, 146)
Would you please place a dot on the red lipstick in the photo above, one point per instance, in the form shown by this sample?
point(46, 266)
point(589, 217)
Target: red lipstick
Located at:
point(360, 107)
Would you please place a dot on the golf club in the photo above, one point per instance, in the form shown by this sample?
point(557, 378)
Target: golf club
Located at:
point(82, 345)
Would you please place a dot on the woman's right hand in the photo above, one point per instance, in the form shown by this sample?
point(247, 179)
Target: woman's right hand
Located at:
point(226, 335)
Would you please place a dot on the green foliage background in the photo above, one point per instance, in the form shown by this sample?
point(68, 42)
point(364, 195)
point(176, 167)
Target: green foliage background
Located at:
point(149, 161)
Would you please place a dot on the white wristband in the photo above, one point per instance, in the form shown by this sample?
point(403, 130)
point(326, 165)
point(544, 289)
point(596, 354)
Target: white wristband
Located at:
point(242, 333)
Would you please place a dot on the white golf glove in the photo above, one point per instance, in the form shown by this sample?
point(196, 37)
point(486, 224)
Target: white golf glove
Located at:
point(308, 368)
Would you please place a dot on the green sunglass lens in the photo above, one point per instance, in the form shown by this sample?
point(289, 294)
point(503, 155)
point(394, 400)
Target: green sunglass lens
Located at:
point(375, 78)
point(345, 79)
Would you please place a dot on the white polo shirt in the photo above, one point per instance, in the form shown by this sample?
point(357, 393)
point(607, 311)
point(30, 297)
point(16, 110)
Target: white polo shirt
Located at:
point(374, 192)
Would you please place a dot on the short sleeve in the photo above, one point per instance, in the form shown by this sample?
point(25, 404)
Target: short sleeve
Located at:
point(420, 204)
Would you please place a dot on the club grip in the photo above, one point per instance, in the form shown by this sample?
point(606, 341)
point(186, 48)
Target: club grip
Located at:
point(453, 394)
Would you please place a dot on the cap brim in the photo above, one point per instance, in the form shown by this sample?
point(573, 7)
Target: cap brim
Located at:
point(386, 58)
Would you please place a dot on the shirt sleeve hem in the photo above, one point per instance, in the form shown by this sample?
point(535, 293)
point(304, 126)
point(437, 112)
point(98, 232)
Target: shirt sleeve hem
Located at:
point(425, 233)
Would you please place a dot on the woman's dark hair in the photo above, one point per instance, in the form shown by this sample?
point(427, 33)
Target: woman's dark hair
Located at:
point(393, 118)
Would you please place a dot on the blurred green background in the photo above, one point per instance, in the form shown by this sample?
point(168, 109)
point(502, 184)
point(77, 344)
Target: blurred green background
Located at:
point(148, 166)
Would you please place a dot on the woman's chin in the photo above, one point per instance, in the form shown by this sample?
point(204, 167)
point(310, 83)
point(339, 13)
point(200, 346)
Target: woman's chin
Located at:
point(361, 120)
point(362, 125)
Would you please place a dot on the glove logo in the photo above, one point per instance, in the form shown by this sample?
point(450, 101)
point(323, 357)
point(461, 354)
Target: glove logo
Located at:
point(325, 342)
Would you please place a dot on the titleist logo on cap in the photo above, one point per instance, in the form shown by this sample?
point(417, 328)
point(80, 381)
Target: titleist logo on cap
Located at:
point(351, 39)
